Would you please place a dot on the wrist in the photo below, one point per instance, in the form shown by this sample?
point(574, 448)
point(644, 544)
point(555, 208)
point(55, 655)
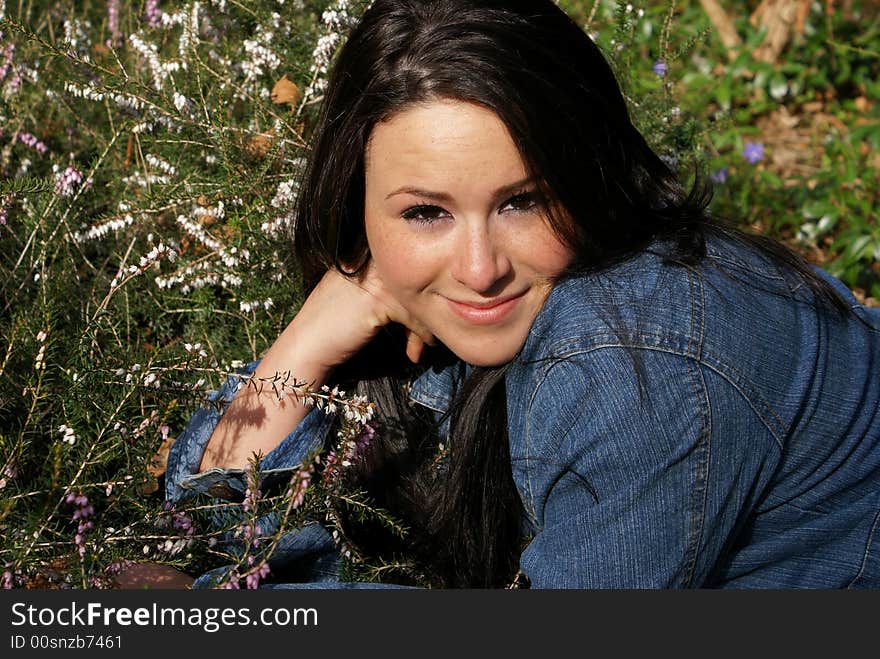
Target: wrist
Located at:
point(292, 353)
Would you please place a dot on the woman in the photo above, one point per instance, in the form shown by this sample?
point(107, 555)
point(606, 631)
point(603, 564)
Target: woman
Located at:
point(623, 392)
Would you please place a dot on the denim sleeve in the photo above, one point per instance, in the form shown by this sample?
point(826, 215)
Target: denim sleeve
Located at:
point(181, 478)
point(628, 482)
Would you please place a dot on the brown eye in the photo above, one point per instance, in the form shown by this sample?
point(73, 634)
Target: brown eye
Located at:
point(521, 203)
point(424, 214)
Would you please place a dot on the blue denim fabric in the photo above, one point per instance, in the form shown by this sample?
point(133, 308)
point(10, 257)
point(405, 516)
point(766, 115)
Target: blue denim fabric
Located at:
point(676, 426)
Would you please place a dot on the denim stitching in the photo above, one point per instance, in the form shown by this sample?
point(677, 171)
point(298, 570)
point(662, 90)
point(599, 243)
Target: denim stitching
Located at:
point(703, 448)
point(864, 564)
point(732, 260)
point(769, 417)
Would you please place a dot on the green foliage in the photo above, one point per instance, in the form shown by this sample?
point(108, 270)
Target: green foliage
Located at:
point(146, 179)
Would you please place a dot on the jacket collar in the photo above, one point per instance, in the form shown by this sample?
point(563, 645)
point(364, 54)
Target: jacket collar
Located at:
point(436, 386)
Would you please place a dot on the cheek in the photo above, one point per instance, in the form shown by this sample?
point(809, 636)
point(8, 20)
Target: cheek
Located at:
point(542, 252)
point(405, 263)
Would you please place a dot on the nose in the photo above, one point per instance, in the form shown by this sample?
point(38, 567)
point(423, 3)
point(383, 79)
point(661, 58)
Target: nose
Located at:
point(480, 260)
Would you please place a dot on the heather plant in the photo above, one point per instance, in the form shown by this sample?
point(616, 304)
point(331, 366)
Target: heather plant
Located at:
point(149, 158)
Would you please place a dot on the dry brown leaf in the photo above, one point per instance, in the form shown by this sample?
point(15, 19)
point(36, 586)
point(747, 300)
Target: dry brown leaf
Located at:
point(156, 466)
point(285, 91)
point(159, 461)
point(259, 145)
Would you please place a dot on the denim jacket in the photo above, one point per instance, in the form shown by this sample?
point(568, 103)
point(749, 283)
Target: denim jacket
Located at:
point(669, 426)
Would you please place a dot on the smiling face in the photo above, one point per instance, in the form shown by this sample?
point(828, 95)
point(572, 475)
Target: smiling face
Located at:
point(457, 229)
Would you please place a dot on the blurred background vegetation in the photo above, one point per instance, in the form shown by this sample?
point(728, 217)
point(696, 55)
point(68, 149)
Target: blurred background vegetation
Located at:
point(149, 152)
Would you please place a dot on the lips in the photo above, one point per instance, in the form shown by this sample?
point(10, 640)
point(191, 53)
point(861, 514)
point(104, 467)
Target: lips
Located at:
point(485, 312)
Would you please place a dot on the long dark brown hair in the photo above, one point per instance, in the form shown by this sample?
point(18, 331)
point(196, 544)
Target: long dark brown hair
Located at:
point(546, 80)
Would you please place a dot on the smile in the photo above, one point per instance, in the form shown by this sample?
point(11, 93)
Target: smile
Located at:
point(485, 313)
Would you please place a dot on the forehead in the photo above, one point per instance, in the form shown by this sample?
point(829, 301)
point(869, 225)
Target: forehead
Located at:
point(443, 142)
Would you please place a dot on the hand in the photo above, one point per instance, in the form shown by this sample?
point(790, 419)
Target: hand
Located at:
point(342, 314)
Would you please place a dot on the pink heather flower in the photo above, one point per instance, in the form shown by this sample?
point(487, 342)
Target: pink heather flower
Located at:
point(113, 23)
point(118, 566)
point(7, 61)
point(232, 584)
point(82, 513)
point(251, 496)
point(32, 141)
point(7, 580)
point(182, 522)
point(297, 491)
point(14, 83)
point(3, 215)
point(368, 433)
point(253, 579)
point(152, 13)
point(11, 470)
point(753, 152)
point(67, 181)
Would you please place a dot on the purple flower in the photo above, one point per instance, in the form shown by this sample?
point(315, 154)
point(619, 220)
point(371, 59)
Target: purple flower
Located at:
point(152, 13)
point(719, 177)
point(7, 61)
point(83, 511)
point(182, 522)
point(32, 141)
point(660, 68)
point(252, 580)
point(67, 182)
point(753, 152)
point(671, 160)
point(297, 490)
point(113, 23)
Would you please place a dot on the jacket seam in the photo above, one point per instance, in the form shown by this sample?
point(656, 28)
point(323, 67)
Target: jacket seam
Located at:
point(701, 467)
point(864, 564)
point(761, 408)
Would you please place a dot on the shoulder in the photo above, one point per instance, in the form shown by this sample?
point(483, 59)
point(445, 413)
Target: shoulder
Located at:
point(650, 301)
point(642, 302)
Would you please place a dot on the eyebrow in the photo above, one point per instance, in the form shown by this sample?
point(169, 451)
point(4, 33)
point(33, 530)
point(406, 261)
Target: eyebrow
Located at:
point(446, 197)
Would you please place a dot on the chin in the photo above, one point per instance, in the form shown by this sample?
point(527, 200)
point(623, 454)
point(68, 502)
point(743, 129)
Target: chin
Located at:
point(485, 354)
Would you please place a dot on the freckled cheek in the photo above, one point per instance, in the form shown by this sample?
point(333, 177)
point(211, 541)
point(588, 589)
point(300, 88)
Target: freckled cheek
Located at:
point(541, 251)
point(406, 264)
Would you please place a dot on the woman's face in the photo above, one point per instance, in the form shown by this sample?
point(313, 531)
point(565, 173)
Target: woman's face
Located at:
point(457, 229)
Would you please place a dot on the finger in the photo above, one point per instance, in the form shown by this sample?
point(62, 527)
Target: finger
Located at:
point(414, 346)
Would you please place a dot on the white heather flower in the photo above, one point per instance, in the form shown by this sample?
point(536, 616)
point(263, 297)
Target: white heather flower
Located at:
point(160, 164)
point(149, 53)
point(68, 434)
point(98, 231)
point(180, 101)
